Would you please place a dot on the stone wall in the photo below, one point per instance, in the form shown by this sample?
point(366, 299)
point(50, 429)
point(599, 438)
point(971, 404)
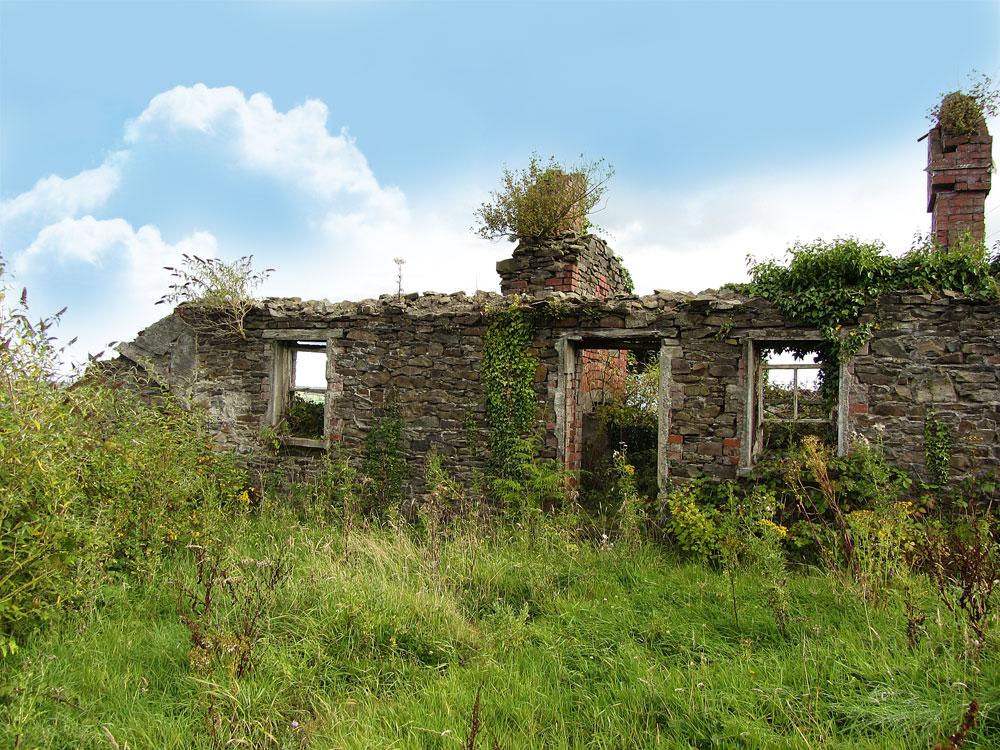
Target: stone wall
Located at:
point(933, 355)
point(417, 355)
point(929, 355)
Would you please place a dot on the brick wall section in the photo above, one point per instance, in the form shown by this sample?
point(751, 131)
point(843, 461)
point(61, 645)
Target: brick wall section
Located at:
point(571, 263)
point(959, 171)
point(604, 372)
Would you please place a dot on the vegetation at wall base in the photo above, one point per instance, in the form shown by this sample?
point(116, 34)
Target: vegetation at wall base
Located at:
point(383, 462)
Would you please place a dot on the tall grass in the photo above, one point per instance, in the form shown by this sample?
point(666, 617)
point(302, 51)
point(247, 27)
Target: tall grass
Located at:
point(572, 643)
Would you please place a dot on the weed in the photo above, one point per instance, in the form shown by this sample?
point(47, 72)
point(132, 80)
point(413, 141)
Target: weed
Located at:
point(963, 561)
point(228, 631)
point(968, 722)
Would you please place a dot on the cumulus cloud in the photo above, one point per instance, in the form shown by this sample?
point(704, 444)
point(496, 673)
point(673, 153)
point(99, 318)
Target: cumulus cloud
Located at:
point(97, 241)
point(293, 145)
point(57, 197)
point(108, 273)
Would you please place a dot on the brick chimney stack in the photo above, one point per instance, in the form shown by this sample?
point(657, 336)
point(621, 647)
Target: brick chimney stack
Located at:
point(566, 263)
point(958, 180)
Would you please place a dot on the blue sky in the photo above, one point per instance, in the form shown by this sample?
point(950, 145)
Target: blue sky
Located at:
point(327, 138)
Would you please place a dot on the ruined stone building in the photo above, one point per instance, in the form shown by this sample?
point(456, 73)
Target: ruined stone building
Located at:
point(929, 355)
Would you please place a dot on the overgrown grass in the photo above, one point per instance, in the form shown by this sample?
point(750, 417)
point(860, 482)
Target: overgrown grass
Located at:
point(573, 644)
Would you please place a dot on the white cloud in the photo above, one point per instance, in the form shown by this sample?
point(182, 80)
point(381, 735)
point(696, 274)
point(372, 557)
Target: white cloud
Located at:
point(119, 271)
point(293, 145)
point(97, 240)
point(689, 241)
point(57, 197)
point(364, 225)
point(120, 267)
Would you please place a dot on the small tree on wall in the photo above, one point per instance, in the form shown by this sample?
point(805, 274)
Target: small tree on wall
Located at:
point(218, 294)
point(543, 199)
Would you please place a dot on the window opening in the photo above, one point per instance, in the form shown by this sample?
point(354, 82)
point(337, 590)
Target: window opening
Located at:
point(789, 399)
point(306, 398)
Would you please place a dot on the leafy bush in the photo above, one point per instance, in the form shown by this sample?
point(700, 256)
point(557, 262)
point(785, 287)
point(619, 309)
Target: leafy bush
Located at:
point(694, 525)
point(540, 201)
point(826, 285)
point(305, 417)
point(95, 478)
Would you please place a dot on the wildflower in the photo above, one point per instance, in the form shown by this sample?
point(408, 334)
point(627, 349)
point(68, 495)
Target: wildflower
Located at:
point(778, 529)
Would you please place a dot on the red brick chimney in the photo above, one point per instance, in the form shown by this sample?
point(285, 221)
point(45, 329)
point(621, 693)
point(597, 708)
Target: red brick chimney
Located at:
point(958, 180)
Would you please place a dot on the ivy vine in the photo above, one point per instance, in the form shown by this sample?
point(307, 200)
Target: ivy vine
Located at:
point(937, 450)
point(628, 283)
point(826, 285)
point(508, 374)
point(384, 462)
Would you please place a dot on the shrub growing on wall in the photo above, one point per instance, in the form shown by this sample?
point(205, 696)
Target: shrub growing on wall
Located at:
point(218, 295)
point(543, 199)
point(826, 285)
point(961, 112)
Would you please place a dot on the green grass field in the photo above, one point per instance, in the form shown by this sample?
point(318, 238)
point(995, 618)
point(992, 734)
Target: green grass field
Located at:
point(571, 643)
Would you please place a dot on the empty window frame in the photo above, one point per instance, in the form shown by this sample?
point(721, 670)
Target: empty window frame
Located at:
point(785, 399)
point(788, 390)
point(300, 397)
